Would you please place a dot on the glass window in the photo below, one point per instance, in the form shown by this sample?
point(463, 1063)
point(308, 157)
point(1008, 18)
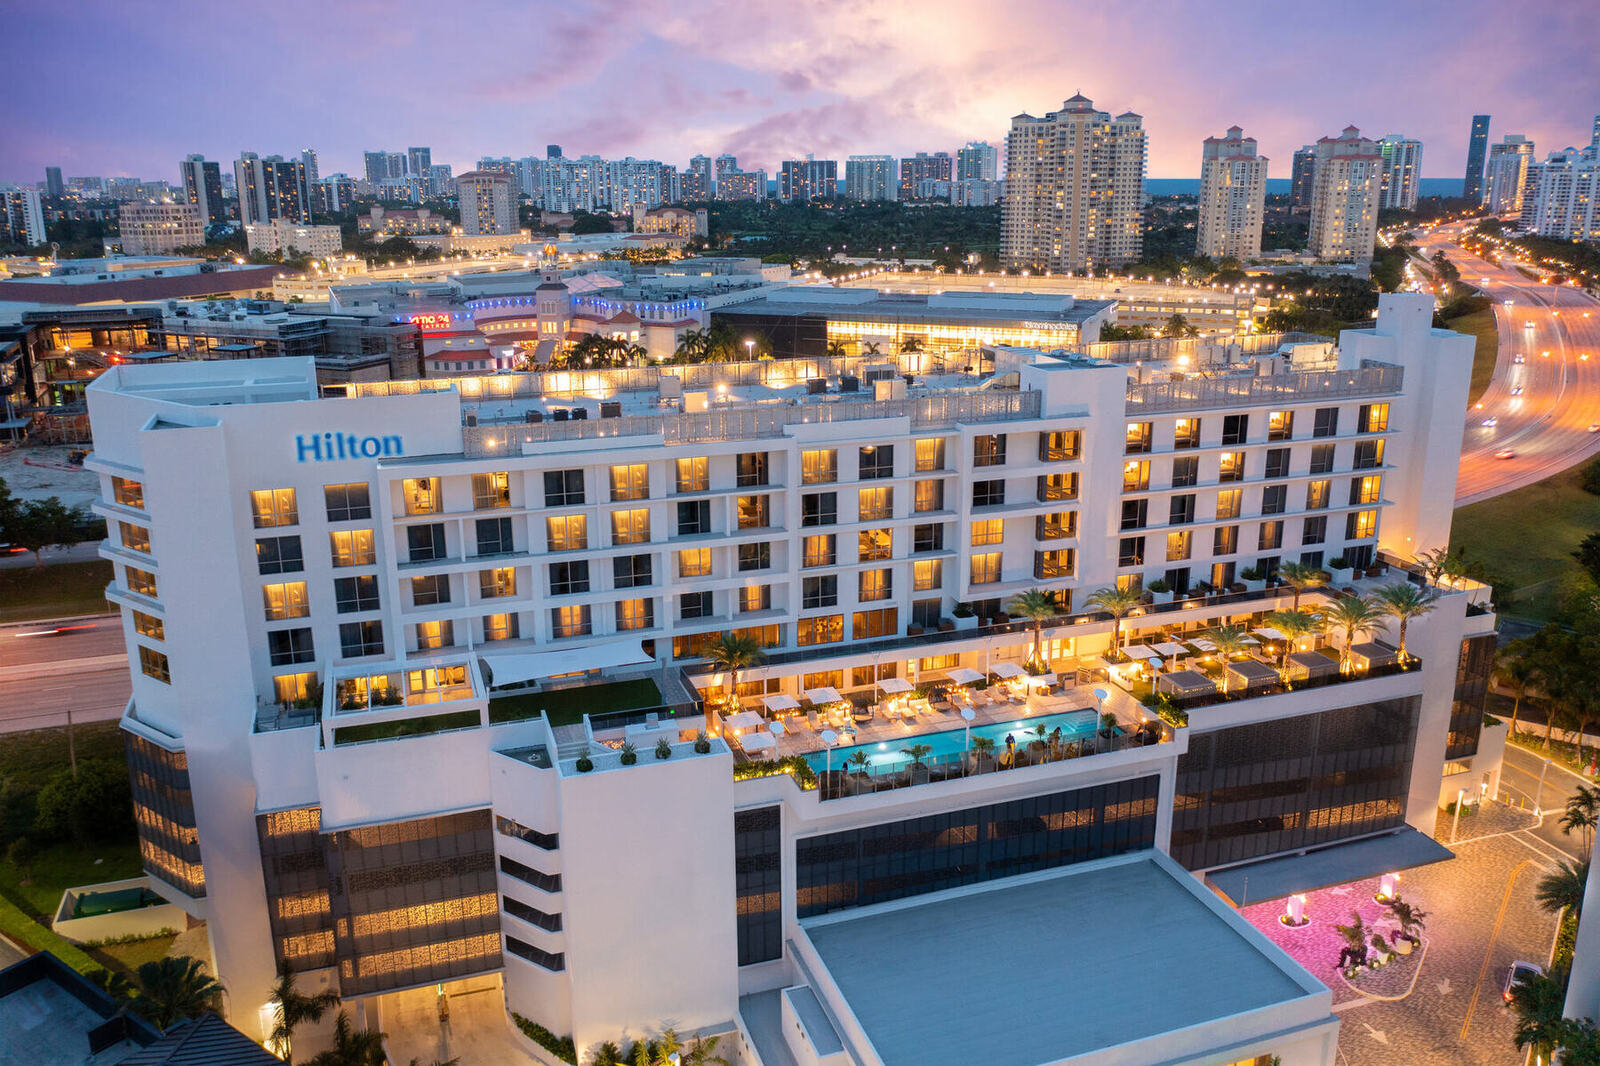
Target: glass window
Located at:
point(819, 550)
point(867, 625)
point(875, 504)
point(820, 591)
point(1326, 423)
point(563, 488)
point(985, 568)
point(930, 454)
point(1185, 471)
point(1274, 499)
point(1060, 445)
point(694, 518)
point(353, 547)
point(694, 562)
point(630, 527)
point(1360, 525)
point(1277, 462)
point(927, 538)
point(1225, 541)
point(570, 578)
point(875, 544)
point(1365, 490)
point(927, 575)
point(348, 503)
point(127, 492)
point(874, 585)
point(352, 594)
point(929, 496)
point(360, 638)
point(430, 590)
point(1056, 526)
point(1374, 418)
point(875, 461)
point(431, 636)
point(1235, 429)
point(630, 482)
point(1315, 530)
point(422, 495)
point(1229, 503)
point(423, 543)
point(496, 583)
point(1280, 425)
point(291, 688)
point(495, 536)
point(1135, 475)
point(988, 493)
point(280, 555)
point(759, 556)
point(148, 625)
point(490, 491)
point(819, 467)
point(635, 614)
point(1322, 458)
point(153, 664)
point(1130, 551)
point(988, 531)
point(1135, 513)
point(1271, 536)
point(134, 538)
point(569, 621)
point(1369, 454)
point(989, 449)
point(1178, 545)
point(755, 598)
point(566, 533)
point(286, 600)
point(288, 646)
point(1318, 494)
point(695, 605)
point(274, 507)
point(1050, 565)
point(1186, 433)
point(1180, 510)
point(750, 469)
point(1057, 487)
point(1230, 466)
point(1140, 437)
point(632, 571)
point(500, 627)
point(753, 512)
point(828, 629)
point(694, 474)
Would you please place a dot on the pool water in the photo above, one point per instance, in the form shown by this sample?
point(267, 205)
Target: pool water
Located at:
point(887, 755)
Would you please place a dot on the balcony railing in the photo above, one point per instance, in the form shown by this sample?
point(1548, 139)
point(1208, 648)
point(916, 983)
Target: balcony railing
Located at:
point(1253, 390)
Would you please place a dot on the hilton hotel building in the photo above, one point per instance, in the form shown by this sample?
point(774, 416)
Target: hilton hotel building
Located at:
point(332, 602)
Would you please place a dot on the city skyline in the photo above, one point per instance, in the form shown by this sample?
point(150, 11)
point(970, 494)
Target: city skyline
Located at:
point(773, 88)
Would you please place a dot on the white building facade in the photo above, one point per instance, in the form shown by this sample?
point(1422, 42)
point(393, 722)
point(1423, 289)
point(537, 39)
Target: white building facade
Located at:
point(1402, 160)
point(1345, 196)
point(870, 178)
point(1233, 191)
point(1506, 174)
point(488, 204)
point(156, 229)
point(1561, 195)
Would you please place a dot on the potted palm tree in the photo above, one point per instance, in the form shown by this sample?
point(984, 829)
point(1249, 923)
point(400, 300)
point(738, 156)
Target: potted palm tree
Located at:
point(982, 753)
point(1254, 578)
point(1357, 616)
point(1340, 570)
point(1300, 577)
point(1229, 641)
point(1403, 602)
point(965, 616)
point(1293, 625)
point(1036, 605)
point(731, 653)
point(918, 770)
point(1117, 603)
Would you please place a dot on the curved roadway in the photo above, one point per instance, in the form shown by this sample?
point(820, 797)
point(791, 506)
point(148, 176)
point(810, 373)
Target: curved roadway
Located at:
point(1547, 425)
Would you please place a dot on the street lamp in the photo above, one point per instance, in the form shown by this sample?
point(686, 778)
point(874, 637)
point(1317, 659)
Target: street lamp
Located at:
point(967, 715)
point(750, 348)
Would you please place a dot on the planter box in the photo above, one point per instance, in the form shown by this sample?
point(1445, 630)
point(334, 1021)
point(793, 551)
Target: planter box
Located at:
point(1341, 575)
point(1256, 586)
point(1163, 597)
point(967, 623)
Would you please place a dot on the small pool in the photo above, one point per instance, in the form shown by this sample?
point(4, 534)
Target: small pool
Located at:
point(114, 901)
point(886, 755)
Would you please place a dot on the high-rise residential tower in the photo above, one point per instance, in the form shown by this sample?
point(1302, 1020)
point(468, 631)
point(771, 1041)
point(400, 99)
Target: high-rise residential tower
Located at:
point(697, 184)
point(869, 177)
point(978, 161)
point(1303, 177)
point(1233, 190)
point(487, 203)
point(202, 187)
point(1477, 156)
point(1561, 197)
point(808, 179)
point(22, 217)
point(1402, 169)
point(1344, 199)
point(1506, 174)
point(308, 159)
point(53, 185)
point(924, 166)
point(418, 160)
point(1074, 186)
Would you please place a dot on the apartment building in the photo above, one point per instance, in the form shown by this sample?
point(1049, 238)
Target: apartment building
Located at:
point(22, 217)
point(924, 166)
point(271, 188)
point(1402, 158)
point(202, 187)
point(335, 608)
point(977, 161)
point(1233, 192)
point(157, 229)
point(1562, 193)
point(1477, 156)
point(804, 180)
point(1074, 189)
point(488, 205)
point(870, 177)
point(1302, 177)
point(287, 237)
point(1506, 174)
point(1344, 197)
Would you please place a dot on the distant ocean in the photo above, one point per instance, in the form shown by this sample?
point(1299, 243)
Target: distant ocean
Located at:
point(1179, 186)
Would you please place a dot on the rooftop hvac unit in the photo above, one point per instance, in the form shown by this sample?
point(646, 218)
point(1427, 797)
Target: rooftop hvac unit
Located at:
point(879, 372)
point(472, 419)
point(560, 414)
point(816, 387)
point(533, 416)
point(580, 414)
point(849, 383)
point(611, 409)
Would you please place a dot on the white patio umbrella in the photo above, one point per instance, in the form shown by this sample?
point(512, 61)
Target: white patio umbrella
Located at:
point(1008, 670)
point(895, 686)
point(782, 701)
point(964, 675)
point(822, 695)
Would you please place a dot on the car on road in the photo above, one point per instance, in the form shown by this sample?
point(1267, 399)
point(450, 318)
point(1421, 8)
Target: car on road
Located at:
point(1490, 422)
point(1511, 303)
point(1594, 427)
point(1518, 973)
point(1505, 453)
point(1519, 359)
point(1516, 390)
point(1528, 324)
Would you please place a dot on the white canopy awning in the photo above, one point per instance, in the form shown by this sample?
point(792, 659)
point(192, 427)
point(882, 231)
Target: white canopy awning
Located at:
point(1269, 633)
point(742, 720)
point(511, 667)
point(1042, 679)
point(964, 675)
point(822, 695)
point(1008, 670)
point(758, 742)
point(1170, 648)
point(894, 686)
point(782, 701)
point(1140, 651)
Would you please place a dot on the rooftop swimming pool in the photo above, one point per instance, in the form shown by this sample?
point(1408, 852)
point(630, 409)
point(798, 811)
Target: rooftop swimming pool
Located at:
point(887, 756)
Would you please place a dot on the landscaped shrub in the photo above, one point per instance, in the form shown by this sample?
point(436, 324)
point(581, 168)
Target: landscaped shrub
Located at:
point(1590, 480)
point(794, 765)
point(92, 805)
point(561, 1047)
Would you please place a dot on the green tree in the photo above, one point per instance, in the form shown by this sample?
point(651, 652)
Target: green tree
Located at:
point(175, 988)
point(1117, 603)
point(1301, 577)
point(836, 349)
point(1405, 603)
point(1562, 888)
point(1357, 616)
point(90, 805)
point(1036, 605)
point(733, 652)
point(293, 1009)
point(20, 854)
point(1293, 625)
point(1515, 670)
point(1581, 815)
point(40, 524)
point(1228, 640)
point(1538, 1003)
point(352, 1046)
point(1588, 556)
point(1178, 326)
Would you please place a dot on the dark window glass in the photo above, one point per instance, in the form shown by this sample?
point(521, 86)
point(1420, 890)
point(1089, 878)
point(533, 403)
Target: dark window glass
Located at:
point(287, 646)
point(1235, 429)
point(430, 590)
point(494, 536)
point(631, 571)
point(876, 460)
point(355, 594)
point(755, 556)
point(425, 543)
point(1180, 511)
point(1135, 513)
point(1322, 458)
point(563, 488)
point(568, 579)
point(1326, 423)
point(1185, 471)
point(695, 605)
point(348, 503)
point(1315, 531)
point(819, 509)
point(694, 517)
point(758, 884)
point(988, 493)
point(1277, 462)
point(819, 591)
point(360, 638)
point(279, 555)
point(1274, 498)
point(927, 538)
point(1130, 552)
point(751, 469)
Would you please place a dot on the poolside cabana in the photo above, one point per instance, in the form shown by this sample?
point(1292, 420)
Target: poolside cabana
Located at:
point(1366, 656)
point(1185, 683)
point(1250, 673)
point(1309, 665)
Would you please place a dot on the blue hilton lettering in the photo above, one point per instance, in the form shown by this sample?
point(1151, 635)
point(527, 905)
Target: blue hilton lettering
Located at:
point(331, 447)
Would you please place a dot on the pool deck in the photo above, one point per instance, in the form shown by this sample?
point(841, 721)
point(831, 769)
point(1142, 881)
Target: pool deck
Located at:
point(799, 739)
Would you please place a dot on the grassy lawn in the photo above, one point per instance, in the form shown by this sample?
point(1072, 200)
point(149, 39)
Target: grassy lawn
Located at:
point(1527, 538)
point(28, 592)
point(65, 866)
point(130, 956)
point(1479, 324)
point(406, 727)
point(568, 706)
point(31, 758)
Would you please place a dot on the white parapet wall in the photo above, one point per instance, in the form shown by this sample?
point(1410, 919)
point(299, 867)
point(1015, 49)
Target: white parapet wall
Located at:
point(147, 919)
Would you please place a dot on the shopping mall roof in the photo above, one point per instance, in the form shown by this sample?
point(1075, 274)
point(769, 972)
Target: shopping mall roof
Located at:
point(954, 308)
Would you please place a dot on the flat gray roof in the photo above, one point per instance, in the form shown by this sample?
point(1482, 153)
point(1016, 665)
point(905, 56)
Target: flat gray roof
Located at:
point(1043, 970)
point(1358, 859)
point(979, 309)
point(43, 1024)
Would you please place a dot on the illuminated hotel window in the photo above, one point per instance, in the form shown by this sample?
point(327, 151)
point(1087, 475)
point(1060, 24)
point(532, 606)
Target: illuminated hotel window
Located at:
point(929, 496)
point(694, 562)
point(1179, 545)
point(1057, 487)
point(630, 482)
point(1280, 425)
point(875, 544)
point(1135, 476)
point(422, 495)
point(1231, 467)
point(491, 491)
point(1059, 445)
point(127, 492)
point(1364, 490)
point(1373, 418)
point(874, 585)
point(154, 664)
point(142, 582)
point(819, 467)
point(147, 625)
point(755, 598)
point(985, 568)
point(1054, 564)
point(287, 600)
point(352, 547)
point(930, 454)
point(694, 474)
point(865, 625)
point(819, 550)
point(1360, 525)
point(1369, 454)
point(927, 574)
point(987, 531)
point(635, 614)
point(1139, 438)
point(493, 584)
point(753, 512)
point(828, 629)
point(630, 527)
point(274, 507)
point(565, 533)
point(1186, 433)
point(875, 504)
point(571, 621)
point(436, 634)
point(1056, 526)
point(134, 538)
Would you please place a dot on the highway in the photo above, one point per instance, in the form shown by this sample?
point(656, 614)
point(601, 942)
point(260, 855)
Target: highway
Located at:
point(1546, 424)
point(43, 673)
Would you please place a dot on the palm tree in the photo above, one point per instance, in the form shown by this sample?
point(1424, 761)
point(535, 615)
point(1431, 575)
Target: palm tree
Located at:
point(173, 989)
point(1036, 605)
point(733, 652)
point(1358, 616)
point(693, 346)
point(352, 1046)
point(1539, 1002)
point(295, 1008)
point(982, 747)
point(1293, 625)
point(1562, 888)
point(1517, 672)
point(1411, 920)
point(1300, 577)
point(1117, 603)
point(1404, 601)
point(1582, 813)
point(871, 348)
point(1228, 640)
point(910, 346)
point(836, 349)
point(917, 752)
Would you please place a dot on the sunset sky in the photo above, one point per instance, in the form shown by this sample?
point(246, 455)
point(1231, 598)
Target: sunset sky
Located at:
point(131, 87)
